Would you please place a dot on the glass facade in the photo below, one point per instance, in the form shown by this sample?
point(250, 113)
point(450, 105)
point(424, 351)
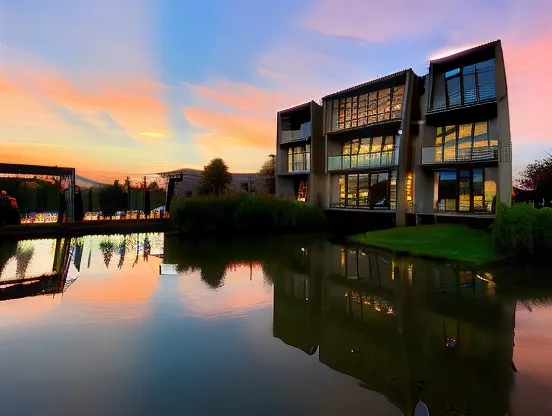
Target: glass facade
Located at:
point(466, 190)
point(369, 152)
point(464, 142)
point(368, 190)
point(361, 110)
point(464, 86)
point(299, 158)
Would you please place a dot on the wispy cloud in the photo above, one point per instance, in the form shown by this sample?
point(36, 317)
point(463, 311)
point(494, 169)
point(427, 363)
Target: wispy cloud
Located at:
point(234, 118)
point(88, 84)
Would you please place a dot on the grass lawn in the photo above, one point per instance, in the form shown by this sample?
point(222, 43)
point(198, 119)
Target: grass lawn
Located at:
point(446, 241)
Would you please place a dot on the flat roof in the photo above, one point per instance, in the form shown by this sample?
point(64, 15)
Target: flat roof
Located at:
point(465, 52)
point(295, 108)
point(367, 84)
point(14, 168)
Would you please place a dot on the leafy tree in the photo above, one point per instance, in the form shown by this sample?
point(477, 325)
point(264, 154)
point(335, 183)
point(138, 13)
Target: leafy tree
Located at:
point(113, 198)
point(215, 178)
point(537, 177)
point(268, 170)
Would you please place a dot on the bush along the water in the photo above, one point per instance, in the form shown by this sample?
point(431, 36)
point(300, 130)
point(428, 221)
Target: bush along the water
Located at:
point(521, 230)
point(248, 213)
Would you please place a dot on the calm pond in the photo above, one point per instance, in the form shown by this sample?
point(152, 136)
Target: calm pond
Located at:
point(291, 325)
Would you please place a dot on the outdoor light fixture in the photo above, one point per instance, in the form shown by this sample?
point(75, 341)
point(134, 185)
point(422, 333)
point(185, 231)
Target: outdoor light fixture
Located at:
point(409, 186)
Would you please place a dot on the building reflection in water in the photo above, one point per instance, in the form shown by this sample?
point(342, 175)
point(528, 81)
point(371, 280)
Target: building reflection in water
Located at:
point(51, 266)
point(410, 329)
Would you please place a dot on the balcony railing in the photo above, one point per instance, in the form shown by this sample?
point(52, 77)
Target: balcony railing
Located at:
point(457, 99)
point(290, 136)
point(364, 160)
point(438, 154)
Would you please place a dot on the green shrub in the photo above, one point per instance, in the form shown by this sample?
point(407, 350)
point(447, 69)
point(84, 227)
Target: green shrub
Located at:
point(240, 212)
point(522, 230)
point(544, 221)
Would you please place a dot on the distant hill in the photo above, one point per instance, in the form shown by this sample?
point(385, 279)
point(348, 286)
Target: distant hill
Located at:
point(87, 183)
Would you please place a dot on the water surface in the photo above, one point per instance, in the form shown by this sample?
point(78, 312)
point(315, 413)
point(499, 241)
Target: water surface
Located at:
point(287, 325)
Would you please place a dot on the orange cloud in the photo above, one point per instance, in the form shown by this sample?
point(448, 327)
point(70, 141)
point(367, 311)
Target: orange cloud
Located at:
point(237, 118)
point(99, 101)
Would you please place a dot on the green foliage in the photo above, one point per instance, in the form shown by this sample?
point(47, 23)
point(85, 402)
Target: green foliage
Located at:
point(240, 212)
point(522, 230)
point(215, 179)
point(113, 198)
point(444, 241)
point(537, 176)
point(32, 195)
point(268, 170)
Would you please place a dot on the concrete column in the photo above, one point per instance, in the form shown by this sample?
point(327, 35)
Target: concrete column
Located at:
point(403, 150)
point(504, 186)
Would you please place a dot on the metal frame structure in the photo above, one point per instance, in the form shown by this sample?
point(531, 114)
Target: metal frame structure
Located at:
point(63, 173)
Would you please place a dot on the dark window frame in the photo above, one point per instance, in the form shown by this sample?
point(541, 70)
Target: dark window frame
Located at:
point(451, 74)
point(457, 172)
point(354, 119)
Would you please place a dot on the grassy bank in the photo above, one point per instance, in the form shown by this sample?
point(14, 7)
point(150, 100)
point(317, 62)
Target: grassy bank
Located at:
point(446, 241)
point(244, 213)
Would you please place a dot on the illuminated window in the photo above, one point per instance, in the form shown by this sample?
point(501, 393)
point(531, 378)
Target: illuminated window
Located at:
point(464, 142)
point(466, 190)
point(360, 110)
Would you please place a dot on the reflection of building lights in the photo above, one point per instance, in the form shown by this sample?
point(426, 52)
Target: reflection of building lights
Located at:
point(393, 270)
point(303, 249)
point(410, 271)
point(409, 186)
point(450, 342)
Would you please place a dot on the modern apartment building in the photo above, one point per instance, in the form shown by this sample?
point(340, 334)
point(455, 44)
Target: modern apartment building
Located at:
point(300, 160)
point(413, 146)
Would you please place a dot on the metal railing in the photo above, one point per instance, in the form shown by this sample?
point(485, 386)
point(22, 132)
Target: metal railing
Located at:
point(364, 160)
point(439, 154)
point(481, 94)
point(290, 136)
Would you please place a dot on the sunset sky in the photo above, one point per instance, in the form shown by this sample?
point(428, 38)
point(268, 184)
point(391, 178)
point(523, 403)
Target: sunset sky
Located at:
point(117, 87)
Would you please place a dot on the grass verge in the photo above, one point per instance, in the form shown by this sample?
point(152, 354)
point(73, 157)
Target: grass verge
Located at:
point(444, 241)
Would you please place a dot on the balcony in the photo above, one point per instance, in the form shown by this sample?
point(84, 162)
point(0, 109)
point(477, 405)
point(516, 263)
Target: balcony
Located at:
point(290, 136)
point(300, 163)
point(364, 161)
point(436, 155)
point(460, 99)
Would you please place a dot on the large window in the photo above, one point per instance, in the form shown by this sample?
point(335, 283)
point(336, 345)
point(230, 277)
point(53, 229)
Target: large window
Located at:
point(368, 152)
point(466, 190)
point(465, 142)
point(299, 158)
point(360, 110)
point(464, 85)
point(369, 190)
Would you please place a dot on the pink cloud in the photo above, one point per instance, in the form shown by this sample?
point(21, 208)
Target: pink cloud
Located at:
point(377, 21)
point(529, 89)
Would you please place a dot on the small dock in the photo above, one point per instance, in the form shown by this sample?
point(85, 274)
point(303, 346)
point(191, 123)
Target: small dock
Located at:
point(78, 229)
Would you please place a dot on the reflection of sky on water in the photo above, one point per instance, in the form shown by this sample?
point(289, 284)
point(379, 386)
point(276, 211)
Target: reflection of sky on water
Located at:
point(124, 338)
point(38, 253)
